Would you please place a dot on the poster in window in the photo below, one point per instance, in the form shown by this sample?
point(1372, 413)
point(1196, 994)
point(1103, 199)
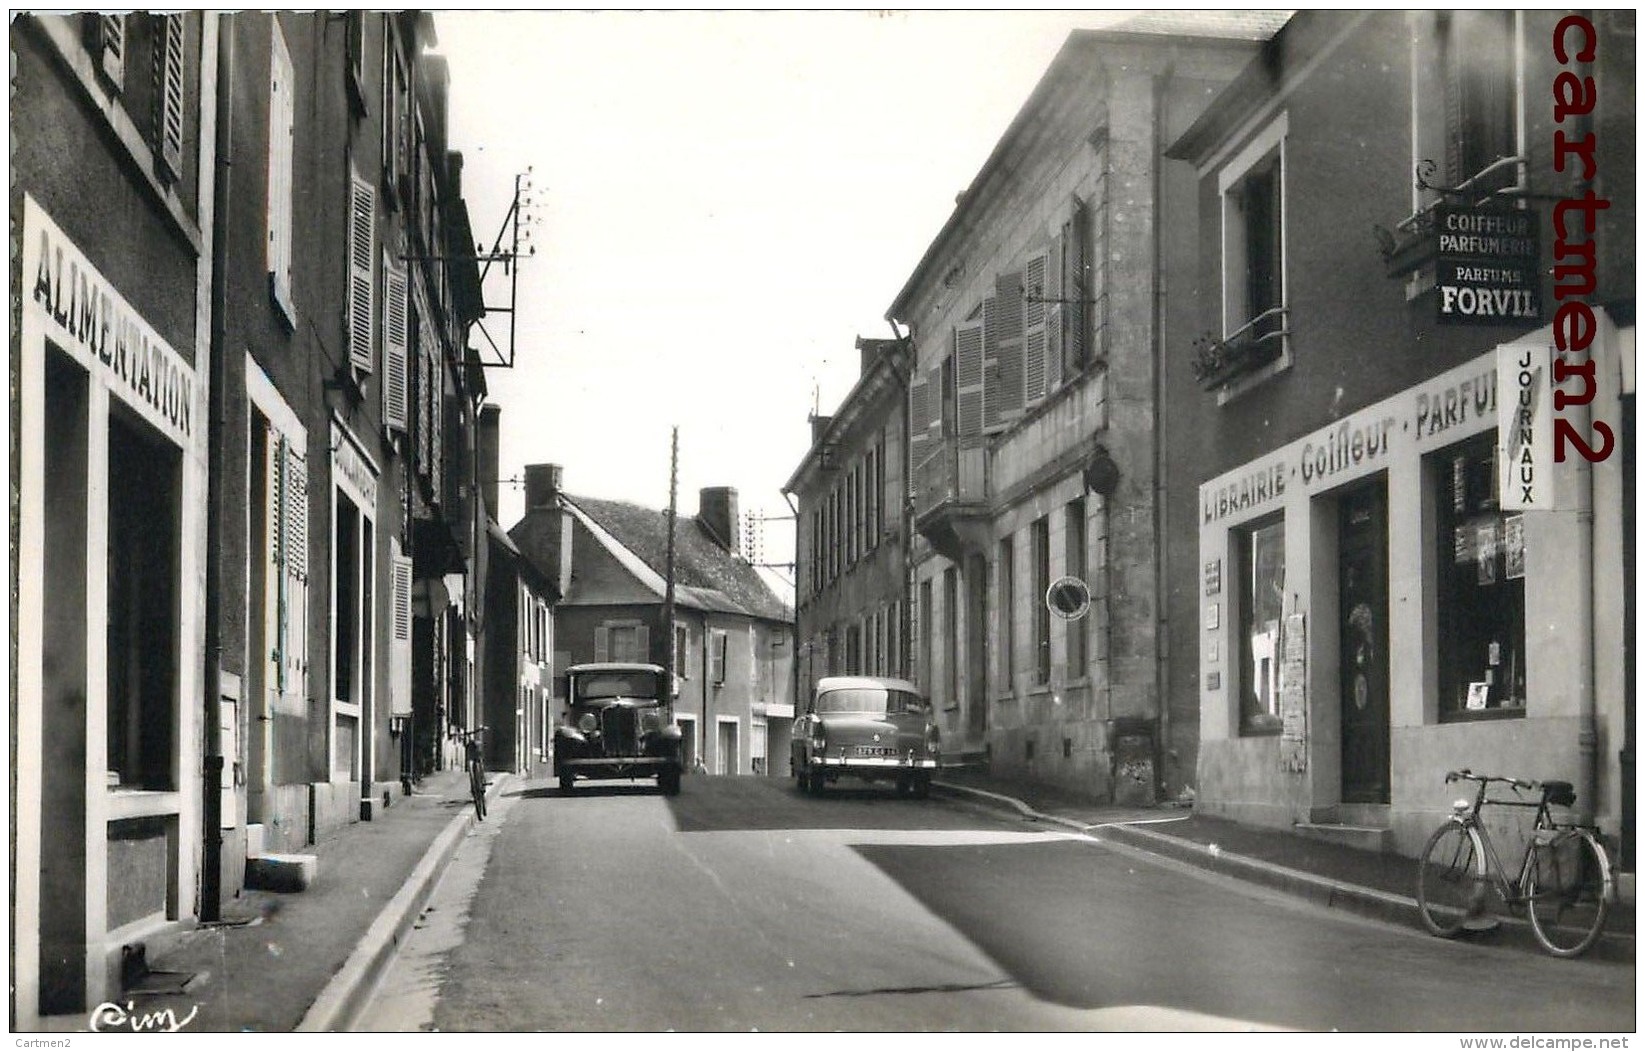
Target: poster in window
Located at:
point(1477, 693)
point(1293, 695)
point(1513, 546)
point(1486, 541)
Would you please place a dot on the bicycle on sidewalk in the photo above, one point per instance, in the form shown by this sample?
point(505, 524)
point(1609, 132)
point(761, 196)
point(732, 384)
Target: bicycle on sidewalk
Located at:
point(1564, 880)
point(474, 760)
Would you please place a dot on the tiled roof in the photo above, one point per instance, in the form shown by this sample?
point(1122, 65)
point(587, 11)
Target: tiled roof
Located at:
point(705, 574)
point(1224, 25)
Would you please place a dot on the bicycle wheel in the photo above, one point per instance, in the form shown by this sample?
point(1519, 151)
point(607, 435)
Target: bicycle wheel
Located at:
point(477, 788)
point(1567, 889)
point(1450, 879)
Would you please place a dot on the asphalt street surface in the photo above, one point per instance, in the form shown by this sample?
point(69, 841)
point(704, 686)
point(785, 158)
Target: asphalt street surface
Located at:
point(743, 905)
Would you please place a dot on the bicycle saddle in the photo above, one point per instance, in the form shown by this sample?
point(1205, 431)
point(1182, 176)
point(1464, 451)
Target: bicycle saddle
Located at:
point(1560, 794)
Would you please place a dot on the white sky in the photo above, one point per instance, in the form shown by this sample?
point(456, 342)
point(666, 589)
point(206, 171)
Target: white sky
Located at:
point(726, 201)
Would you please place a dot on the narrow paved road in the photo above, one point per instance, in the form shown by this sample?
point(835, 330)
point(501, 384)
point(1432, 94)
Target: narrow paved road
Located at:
point(742, 905)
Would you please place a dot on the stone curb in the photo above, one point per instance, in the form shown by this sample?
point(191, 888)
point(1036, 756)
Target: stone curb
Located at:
point(1613, 945)
point(343, 997)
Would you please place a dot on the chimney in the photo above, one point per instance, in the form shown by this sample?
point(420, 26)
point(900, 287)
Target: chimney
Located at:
point(542, 485)
point(490, 421)
point(717, 510)
point(819, 425)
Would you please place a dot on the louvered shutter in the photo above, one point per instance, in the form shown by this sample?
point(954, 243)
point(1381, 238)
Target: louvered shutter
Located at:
point(1078, 290)
point(919, 443)
point(1008, 306)
point(396, 325)
point(106, 35)
point(362, 231)
point(642, 643)
point(602, 643)
point(281, 136)
point(293, 629)
point(168, 68)
point(1034, 280)
point(400, 643)
point(968, 377)
point(1055, 338)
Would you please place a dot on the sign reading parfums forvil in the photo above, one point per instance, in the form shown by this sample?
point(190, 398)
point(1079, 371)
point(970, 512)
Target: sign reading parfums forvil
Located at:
point(1487, 265)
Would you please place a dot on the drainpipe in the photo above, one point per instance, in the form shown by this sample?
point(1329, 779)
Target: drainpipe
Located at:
point(1162, 670)
point(215, 197)
point(906, 618)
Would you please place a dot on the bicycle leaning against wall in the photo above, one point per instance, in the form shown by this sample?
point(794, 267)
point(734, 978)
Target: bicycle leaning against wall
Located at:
point(474, 761)
point(1564, 879)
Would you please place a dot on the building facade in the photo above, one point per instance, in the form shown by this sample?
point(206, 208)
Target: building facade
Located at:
point(1406, 561)
point(851, 584)
point(229, 379)
point(731, 637)
point(1034, 437)
point(111, 201)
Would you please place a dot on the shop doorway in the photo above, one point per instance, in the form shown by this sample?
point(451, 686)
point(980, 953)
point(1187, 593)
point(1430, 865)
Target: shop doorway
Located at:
point(1362, 611)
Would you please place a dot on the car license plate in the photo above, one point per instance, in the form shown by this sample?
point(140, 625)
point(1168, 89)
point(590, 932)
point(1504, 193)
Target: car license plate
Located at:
point(875, 750)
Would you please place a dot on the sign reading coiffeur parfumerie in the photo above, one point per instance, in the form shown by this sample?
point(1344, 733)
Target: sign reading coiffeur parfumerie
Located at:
point(1486, 268)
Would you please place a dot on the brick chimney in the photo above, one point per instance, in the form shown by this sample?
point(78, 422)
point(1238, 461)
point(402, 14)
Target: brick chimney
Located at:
point(488, 442)
point(717, 510)
point(819, 426)
point(542, 484)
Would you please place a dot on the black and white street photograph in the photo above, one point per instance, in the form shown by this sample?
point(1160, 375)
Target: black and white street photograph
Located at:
point(923, 522)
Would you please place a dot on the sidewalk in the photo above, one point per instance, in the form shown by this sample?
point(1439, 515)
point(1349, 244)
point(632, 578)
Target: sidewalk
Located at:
point(284, 962)
point(1367, 883)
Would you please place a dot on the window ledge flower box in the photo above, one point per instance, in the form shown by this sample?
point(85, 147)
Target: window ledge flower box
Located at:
point(1256, 343)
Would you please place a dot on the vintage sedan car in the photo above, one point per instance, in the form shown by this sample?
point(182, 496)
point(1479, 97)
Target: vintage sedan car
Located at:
point(869, 728)
point(619, 723)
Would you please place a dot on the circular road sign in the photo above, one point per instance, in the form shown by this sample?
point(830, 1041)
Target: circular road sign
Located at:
point(1069, 598)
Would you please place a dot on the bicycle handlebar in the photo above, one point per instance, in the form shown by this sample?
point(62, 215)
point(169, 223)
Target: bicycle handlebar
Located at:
point(1486, 779)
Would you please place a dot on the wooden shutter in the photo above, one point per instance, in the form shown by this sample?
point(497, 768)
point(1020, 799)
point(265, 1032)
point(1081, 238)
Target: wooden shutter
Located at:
point(106, 38)
point(968, 377)
point(602, 642)
point(642, 643)
point(1055, 311)
point(1076, 290)
point(919, 443)
point(396, 326)
point(400, 643)
point(936, 394)
point(292, 631)
point(281, 139)
point(1006, 346)
point(168, 124)
point(716, 655)
point(1036, 289)
point(362, 230)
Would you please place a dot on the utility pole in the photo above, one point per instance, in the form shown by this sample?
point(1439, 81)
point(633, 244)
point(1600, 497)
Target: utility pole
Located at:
point(668, 589)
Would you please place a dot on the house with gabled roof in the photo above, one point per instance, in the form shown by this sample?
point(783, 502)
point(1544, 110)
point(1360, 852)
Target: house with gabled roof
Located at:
point(731, 636)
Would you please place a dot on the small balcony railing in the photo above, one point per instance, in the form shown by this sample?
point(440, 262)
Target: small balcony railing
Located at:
point(1246, 349)
point(1413, 243)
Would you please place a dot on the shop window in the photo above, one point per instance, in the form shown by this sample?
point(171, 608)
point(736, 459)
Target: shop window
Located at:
point(1481, 587)
point(353, 546)
point(144, 605)
point(1260, 552)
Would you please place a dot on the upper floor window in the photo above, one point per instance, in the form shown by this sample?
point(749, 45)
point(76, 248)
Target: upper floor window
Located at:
point(281, 138)
point(1480, 60)
point(1252, 192)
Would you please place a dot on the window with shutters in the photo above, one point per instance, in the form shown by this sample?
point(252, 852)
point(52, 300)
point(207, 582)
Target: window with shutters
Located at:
point(1037, 298)
point(396, 116)
point(1040, 551)
point(356, 50)
point(1003, 366)
point(106, 40)
point(400, 634)
point(396, 341)
point(1252, 190)
point(281, 144)
point(717, 642)
point(1074, 565)
point(920, 446)
point(1481, 62)
point(628, 641)
point(1008, 616)
point(1080, 316)
point(168, 121)
point(682, 651)
point(362, 278)
point(968, 379)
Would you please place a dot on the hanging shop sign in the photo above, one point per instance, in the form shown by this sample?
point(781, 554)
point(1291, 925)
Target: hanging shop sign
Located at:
point(85, 316)
point(1487, 265)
